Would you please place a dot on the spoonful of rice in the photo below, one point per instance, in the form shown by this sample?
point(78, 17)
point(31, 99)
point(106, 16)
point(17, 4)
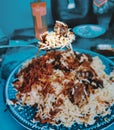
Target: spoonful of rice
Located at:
point(59, 38)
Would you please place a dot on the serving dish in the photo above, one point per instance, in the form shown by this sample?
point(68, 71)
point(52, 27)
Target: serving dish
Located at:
point(89, 30)
point(24, 114)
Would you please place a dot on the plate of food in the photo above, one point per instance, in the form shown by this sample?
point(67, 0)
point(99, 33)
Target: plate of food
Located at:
point(89, 30)
point(62, 89)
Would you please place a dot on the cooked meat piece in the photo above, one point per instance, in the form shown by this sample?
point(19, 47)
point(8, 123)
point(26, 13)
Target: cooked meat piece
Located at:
point(86, 72)
point(60, 28)
point(96, 83)
point(76, 93)
point(84, 57)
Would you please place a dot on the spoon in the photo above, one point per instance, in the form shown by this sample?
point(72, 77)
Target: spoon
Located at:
point(33, 44)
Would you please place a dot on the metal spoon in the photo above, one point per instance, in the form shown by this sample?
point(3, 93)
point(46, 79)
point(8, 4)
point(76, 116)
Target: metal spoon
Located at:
point(34, 44)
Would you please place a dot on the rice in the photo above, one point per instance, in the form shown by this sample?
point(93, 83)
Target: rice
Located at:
point(59, 38)
point(66, 87)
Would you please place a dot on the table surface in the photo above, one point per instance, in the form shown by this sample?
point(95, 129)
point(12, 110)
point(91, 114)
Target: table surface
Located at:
point(11, 57)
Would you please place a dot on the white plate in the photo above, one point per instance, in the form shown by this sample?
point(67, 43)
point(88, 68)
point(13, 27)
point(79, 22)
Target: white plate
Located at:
point(89, 30)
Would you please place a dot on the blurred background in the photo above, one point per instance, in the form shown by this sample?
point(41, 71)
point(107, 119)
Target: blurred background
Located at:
point(16, 14)
point(16, 19)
